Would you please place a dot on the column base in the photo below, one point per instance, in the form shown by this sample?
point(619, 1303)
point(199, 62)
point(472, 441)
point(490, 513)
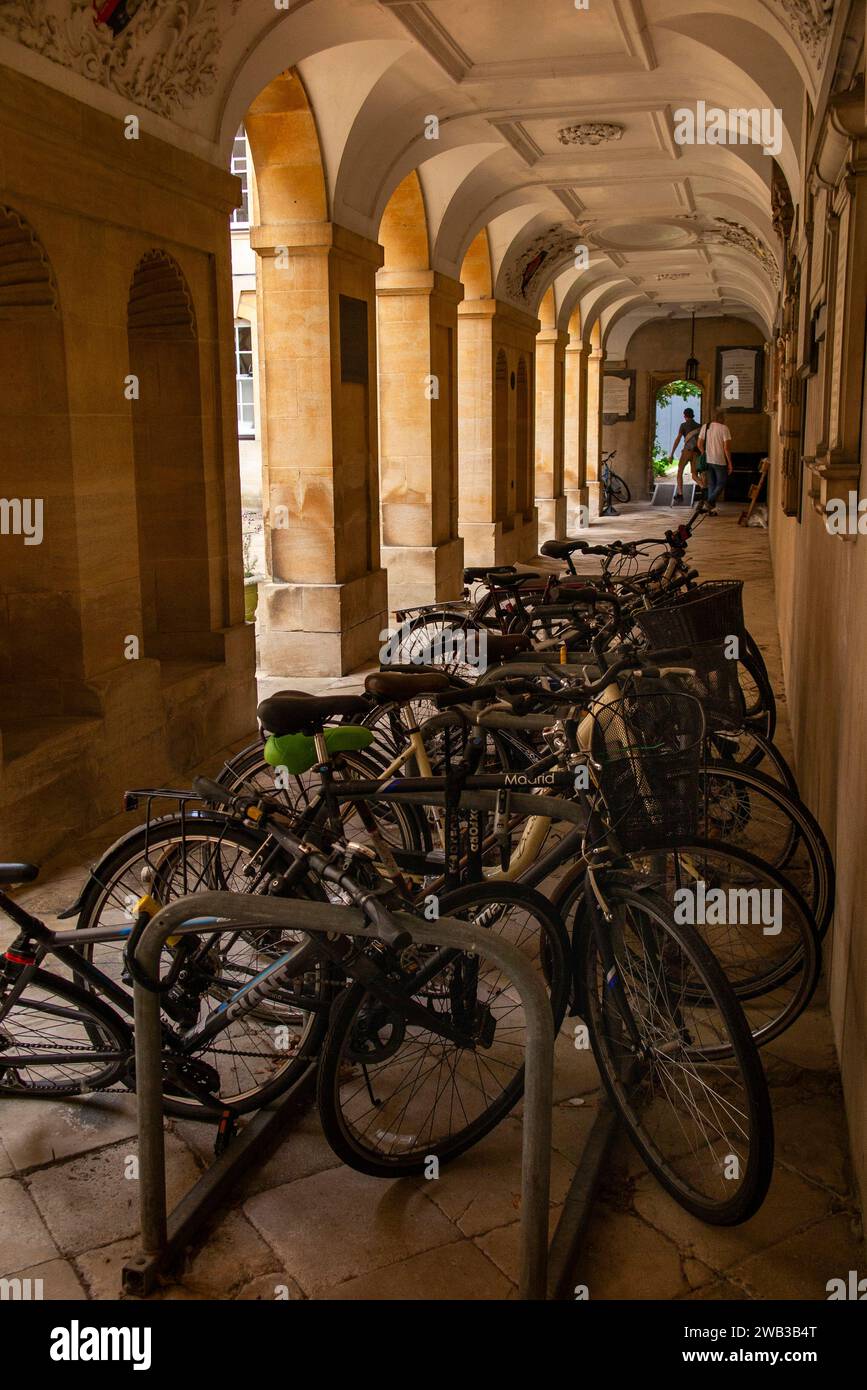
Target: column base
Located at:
point(321, 629)
point(552, 518)
point(577, 510)
point(420, 574)
point(490, 543)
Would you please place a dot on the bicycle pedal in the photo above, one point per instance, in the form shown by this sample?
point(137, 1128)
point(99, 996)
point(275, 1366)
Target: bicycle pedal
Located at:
point(225, 1132)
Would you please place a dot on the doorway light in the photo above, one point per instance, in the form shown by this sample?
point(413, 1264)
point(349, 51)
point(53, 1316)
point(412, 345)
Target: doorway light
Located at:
point(691, 370)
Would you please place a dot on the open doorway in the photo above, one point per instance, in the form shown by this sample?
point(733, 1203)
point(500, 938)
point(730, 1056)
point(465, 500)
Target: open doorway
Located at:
point(671, 400)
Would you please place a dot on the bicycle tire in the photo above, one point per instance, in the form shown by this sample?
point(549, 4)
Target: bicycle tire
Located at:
point(82, 1009)
point(742, 1109)
point(344, 1116)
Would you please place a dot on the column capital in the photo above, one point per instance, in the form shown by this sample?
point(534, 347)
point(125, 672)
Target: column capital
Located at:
point(313, 238)
point(552, 335)
point(420, 282)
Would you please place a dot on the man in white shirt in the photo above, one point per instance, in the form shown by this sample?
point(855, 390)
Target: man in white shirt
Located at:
point(715, 439)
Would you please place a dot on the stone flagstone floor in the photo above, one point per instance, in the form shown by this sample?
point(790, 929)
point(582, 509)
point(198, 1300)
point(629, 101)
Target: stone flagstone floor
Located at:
point(303, 1226)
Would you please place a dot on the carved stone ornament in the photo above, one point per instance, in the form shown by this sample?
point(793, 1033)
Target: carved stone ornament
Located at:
point(733, 234)
point(164, 58)
point(673, 275)
point(810, 22)
point(551, 247)
point(589, 133)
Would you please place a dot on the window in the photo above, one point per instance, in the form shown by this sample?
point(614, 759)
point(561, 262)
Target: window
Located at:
point(238, 166)
point(244, 380)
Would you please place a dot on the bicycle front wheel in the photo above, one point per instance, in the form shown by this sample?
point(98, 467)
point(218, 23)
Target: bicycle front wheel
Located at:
point(57, 1039)
point(393, 1093)
point(678, 1061)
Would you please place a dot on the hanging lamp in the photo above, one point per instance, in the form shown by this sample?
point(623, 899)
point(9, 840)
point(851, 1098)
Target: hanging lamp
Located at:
point(691, 369)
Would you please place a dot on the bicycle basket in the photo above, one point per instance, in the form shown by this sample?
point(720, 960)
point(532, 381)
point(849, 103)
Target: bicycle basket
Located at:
point(714, 682)
point(648, 750)
point(711, 611)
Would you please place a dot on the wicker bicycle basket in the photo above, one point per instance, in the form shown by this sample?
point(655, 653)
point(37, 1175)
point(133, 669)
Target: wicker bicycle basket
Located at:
point(648, 750)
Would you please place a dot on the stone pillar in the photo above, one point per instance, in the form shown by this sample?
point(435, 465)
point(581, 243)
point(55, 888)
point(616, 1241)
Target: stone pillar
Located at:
point(325, 602)
point(575, 441)
point(498, 518)
point(417, 322)
point(594, 429)
point(550, 404)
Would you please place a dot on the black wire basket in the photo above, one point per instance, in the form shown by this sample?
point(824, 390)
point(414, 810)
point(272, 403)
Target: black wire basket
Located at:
point(711, 611)
point(648, 750)
point(713, 679)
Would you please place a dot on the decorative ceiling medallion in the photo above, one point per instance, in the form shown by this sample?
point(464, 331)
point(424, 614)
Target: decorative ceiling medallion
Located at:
point(674, 275)
point(557, 244)
point(733, 234)
point(589, 133)
point(163, 57)
point(810, 22)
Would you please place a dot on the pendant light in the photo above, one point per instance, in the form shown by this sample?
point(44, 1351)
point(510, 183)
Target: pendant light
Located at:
point(691, 370)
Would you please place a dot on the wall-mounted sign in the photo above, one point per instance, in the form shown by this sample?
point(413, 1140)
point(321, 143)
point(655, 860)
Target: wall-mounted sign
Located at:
point(618, 397)
point(353, 339)
point(739, 378)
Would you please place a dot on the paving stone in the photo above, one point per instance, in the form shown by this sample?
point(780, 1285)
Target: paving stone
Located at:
point(40, 1131)
point(810, 1042)
point(88, 1202)
point(812, 1138)
point(459, 1272)
point(503, 1245)
point(26, 1241)
point(232, 1253)
point(622, 1258)
point(339, 1224)
point(482, 1189)
point(6, 1164)
point(570, 1127)
point(304, 1150)
point(264, 1289)
point(575, 1071)
point(100, 1269)
point(790, 1204)
point(720, 1292)
point(59, 1280)
point(801, 1266)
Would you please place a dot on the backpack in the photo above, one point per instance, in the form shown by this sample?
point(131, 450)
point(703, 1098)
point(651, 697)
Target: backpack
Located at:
point(701, 464)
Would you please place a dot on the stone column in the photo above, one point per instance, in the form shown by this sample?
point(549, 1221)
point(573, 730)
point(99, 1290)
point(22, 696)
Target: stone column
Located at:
point(417, 321)
point(550, 404)
point(325, 602)
point(594, 429)
point(575, 442)
point(498, 518)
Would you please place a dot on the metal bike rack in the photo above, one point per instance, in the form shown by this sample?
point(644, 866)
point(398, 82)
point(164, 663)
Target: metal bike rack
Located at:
point(164, 1237)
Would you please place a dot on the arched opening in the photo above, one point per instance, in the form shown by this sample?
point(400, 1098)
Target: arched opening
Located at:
point(40, 626)
point(171, 500)
point(476, 274)
point(671, 402)
point(502, 501)
point(523, 466)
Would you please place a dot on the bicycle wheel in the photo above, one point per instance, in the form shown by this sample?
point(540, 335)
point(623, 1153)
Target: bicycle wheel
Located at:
point(392, 1093)
point(263, 1051)
point(747, 747)
point(741, 807)
point(619, 488)
point(758, 927)
point(685, 1076)
point(59, 1040)
point(759, 699)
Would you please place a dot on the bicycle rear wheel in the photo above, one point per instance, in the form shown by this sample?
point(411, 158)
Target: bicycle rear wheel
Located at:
point(685, 1077)
point(59, 1040)
point(393, 1094)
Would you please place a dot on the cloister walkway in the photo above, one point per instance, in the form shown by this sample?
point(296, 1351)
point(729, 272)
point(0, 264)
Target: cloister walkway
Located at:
point(306, 1227)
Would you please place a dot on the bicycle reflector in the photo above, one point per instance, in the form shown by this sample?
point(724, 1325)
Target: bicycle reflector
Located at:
point(683, 532)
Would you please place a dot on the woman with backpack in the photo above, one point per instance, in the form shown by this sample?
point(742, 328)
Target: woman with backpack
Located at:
point(688, 432)
point(714, 441)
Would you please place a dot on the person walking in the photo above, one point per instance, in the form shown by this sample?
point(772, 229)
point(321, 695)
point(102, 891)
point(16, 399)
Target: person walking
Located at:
point(688, 432)
point(715, 439)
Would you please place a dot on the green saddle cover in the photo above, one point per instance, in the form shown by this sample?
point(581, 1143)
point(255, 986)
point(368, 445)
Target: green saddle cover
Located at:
point(297, 752)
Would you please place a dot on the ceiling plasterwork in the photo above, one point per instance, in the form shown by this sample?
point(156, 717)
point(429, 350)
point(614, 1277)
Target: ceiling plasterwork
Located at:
point(810, 22)
point(733, 234)
point(543, 252)
point(164, 60)
point(590, 133)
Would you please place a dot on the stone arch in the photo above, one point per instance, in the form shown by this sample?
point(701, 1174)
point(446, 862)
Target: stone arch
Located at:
point(284, 143)
point(171, 500)
point(476, 275)
point(403, 232)
point(41, 656)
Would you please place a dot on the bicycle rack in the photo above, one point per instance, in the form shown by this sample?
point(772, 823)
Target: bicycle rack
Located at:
point(164, 1237)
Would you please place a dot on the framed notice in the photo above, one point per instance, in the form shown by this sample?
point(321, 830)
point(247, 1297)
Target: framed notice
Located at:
point(618, 396)
point(353, 339)
point(739, 378)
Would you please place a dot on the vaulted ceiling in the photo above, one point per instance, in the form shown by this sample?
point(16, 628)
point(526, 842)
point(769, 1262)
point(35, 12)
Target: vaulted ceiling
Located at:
point(555, 126)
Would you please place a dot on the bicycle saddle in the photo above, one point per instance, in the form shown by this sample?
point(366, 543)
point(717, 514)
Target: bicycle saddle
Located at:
point(18, 873)
point(561, 550)
point(511, 581)
point(289, 712)
point(403, 685)
point(474, 572)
